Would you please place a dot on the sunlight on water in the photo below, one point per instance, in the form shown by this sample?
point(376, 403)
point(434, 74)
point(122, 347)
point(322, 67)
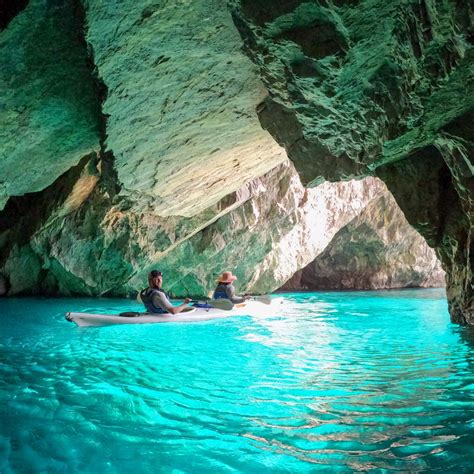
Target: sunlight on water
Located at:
point(331, 381)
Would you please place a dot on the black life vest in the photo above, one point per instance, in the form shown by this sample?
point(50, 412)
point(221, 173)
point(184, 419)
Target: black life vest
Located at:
point(146, 296)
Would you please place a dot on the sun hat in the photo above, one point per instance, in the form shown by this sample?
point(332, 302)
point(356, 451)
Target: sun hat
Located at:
point(226, 277)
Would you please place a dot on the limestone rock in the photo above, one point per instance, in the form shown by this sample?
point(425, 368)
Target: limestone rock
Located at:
point(266, 231)
point(180, 139)
point(385, 87)
point(49, 110)
point(278, 230)
point(153, 154)
point(181, 102)
point(378, 249)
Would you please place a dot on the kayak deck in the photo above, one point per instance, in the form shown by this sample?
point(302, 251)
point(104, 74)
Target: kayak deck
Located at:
point(90, 319)
point(191, 316)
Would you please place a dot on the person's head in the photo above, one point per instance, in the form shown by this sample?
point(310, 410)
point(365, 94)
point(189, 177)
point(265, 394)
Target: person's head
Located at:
point(155, 279)
point(226, 277)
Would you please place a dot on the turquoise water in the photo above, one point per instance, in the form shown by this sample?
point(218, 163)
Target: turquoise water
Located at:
point(337, 382)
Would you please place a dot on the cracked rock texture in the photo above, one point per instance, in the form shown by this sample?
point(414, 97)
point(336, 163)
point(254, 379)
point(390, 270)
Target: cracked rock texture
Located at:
point(180, 104)
point(273, 228)
point(175, 138)
point(369, 87)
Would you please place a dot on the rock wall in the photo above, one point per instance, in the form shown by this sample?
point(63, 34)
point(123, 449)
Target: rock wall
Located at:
point(141, 119)
point(181, 102)
point(148, 150)
point(378, 249)
point(359, 87)
point(49, 110)
point(270, 228)
point(277, 231)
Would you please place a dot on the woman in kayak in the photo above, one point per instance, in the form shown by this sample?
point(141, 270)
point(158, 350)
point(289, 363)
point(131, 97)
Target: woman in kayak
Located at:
point(156, 300)
point(225, 289)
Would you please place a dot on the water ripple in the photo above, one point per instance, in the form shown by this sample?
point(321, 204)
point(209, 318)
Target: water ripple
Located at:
point(332, 381)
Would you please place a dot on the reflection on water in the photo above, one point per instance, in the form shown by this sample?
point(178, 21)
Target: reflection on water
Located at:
point(329, 381)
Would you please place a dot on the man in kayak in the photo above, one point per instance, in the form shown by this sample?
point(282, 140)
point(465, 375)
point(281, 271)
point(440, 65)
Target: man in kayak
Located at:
point(156, 300)
point(225, 289)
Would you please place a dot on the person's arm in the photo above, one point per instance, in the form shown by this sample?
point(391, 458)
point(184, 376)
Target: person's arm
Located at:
point(230, 292)
point(181, 307)
point(163, 302)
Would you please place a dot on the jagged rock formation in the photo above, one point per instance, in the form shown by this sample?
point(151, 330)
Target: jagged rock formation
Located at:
point(163, 138)
point(378, 249)
point(364, 87)
point(277, 231)
point(270, 229)
point(180, 104)
point(148, 150)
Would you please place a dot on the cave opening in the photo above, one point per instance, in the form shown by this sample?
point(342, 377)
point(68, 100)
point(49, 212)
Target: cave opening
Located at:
point(357, 238)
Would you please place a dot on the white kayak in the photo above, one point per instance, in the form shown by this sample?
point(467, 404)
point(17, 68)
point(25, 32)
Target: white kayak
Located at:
point(249, 308)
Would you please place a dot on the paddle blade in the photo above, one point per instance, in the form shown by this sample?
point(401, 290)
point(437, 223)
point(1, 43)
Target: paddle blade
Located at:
point(265, 299)
point(222, 303)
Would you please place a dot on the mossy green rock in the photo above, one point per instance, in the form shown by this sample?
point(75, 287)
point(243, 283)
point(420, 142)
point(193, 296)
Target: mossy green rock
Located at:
point(49, 108)
point(154, 154)
point(364, 87)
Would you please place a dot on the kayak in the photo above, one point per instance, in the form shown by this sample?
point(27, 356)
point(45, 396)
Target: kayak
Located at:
point(194, 315)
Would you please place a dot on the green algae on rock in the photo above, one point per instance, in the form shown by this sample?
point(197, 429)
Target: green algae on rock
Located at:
point(391, 81)
point(49, 110)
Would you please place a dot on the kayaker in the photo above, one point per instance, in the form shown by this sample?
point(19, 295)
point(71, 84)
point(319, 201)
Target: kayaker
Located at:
point(225, 288)
point(156, 300)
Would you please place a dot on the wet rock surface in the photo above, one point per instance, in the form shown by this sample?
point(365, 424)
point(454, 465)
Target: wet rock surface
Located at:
point(385, 87)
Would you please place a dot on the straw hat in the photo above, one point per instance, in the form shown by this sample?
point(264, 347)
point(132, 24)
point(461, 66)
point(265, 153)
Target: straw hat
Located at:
point(226, 277)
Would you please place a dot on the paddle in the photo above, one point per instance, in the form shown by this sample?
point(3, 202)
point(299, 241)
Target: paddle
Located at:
point(227, 305)
point(221, 303)
point(265, 299)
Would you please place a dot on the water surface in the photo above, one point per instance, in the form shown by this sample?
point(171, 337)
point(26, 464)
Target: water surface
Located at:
point(336, 382)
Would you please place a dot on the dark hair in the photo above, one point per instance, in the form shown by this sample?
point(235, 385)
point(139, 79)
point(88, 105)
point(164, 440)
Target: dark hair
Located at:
point(155, 273)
